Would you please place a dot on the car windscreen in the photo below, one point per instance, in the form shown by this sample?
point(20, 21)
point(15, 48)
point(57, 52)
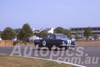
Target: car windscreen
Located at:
point(61, 36)
point(49, 36)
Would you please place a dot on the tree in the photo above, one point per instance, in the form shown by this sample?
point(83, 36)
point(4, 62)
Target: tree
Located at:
point(76, 35)
point(17, 30)
point(42, 33)
point(95, 37)
point(87, 32)
point(59, 30)
point(0, 33)
point(67, 32)
point(25, 33)
point(63, 31)
point(8, 34)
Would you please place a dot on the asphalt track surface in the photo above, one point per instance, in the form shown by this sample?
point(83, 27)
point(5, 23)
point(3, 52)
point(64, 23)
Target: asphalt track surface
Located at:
point(88, 56)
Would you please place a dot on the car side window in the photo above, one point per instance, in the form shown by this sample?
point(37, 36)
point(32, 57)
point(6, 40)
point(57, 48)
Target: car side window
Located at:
point(49, 36)
point(52, 37)
point(46, 36)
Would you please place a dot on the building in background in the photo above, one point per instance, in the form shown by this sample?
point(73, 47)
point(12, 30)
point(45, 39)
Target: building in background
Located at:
point(80, 30)
point(49, 30)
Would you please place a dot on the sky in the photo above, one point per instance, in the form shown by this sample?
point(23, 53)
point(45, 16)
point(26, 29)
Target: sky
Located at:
point(49, 13)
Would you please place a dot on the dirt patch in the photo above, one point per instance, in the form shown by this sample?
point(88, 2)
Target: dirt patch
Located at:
point(6, 43)
point(27, 44)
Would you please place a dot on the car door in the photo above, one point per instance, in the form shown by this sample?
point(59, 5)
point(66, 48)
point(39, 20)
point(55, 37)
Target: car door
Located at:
point(46, 40)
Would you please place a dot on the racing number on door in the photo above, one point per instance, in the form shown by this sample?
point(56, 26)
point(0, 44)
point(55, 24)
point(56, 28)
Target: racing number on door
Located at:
point(44, 43)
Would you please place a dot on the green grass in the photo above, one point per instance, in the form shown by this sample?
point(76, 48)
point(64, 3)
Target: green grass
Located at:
point(13, 61)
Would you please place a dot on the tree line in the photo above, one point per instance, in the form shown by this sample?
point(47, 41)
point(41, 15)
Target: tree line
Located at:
point(25, 32)
point(21, 34)
point(87, 33)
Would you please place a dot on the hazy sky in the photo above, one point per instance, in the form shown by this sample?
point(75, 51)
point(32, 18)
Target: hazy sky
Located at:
point(49, 13)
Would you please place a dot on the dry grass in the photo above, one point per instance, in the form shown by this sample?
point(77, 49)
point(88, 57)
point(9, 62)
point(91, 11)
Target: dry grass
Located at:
point(11, 61)
point(23, 44)
point(6, 43)
point(79, 43)
point(88, 43)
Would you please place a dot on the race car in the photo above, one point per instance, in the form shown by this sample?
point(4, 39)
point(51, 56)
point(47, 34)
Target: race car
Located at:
point(54, 40)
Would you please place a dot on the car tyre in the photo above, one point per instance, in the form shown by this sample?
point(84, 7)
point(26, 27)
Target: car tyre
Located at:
point(37, 46)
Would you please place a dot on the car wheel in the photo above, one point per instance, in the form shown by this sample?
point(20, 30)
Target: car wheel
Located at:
point(37, 46)
point(54, 47)
point(44, 43)
point(64, 48)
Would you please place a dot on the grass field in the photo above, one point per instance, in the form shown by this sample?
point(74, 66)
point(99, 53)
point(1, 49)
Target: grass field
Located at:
point(12, 61)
